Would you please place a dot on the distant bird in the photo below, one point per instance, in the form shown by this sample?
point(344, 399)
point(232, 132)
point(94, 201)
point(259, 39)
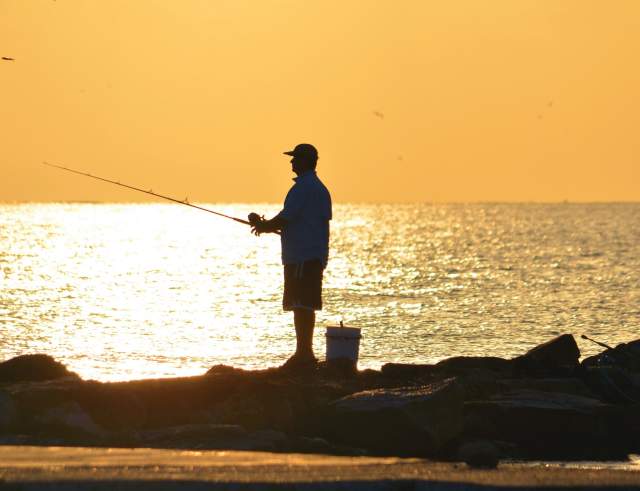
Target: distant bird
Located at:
point(550, 104)
point(379, 114)
point(6, 58)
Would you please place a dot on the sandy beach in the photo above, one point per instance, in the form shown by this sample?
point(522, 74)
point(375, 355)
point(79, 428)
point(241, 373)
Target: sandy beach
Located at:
point(70, 468)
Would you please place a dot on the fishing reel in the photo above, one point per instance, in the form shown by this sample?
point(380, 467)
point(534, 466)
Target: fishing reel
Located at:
point(254, 218)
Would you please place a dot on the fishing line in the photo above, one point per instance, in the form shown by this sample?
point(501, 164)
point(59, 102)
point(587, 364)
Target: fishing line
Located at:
point(184, 202)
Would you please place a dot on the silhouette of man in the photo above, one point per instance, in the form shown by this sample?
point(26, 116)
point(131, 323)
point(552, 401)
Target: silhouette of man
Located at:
point(304, 227)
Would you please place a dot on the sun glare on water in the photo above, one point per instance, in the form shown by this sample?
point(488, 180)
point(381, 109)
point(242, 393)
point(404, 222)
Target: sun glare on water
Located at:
point(135, 286)
point(120, 292)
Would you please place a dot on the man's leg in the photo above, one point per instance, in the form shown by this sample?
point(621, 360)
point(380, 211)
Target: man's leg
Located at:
point(304, 321)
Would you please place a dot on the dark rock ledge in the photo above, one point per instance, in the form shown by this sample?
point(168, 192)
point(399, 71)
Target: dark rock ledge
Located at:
point(544, 404)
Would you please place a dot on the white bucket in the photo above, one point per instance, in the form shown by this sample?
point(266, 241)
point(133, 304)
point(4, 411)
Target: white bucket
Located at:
point(343, 342)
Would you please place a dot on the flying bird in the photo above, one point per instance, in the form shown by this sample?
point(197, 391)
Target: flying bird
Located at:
point(6, 58)
point(379, 114)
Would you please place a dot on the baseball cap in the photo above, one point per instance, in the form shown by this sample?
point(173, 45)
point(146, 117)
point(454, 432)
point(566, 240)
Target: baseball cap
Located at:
point(304, 150)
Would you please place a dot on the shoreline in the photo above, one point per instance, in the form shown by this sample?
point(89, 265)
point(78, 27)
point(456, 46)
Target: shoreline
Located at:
point(544, 405)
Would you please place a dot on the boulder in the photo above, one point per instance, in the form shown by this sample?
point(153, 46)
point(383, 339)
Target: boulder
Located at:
point(32, 368)
point(264, 407)
point(224, 370)
point(8, 413)
point(32, 398)
point(402, 421)
point(161, 403)
point(625, 355)
point(457, 365)
point(613, 384)
point(281, 403)
point(112, 406)
point(460, 365)
point(68, 420)
point(407, 370)
point(557, 356)
point(479, 384)
point(340, 368)
point(564, 385)
point(544, 424)
point(626, 428)
point(479, 453)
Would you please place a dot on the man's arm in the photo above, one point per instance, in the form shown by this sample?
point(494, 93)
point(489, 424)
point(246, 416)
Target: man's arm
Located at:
point(261, 226)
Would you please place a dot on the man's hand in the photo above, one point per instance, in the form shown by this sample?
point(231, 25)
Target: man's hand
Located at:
point(261, 226)
point(257, 223)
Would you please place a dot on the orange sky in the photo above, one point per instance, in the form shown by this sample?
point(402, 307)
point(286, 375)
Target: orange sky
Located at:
point(495, 100)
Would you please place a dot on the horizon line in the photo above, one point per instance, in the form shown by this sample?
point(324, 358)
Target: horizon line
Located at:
point(453, 202)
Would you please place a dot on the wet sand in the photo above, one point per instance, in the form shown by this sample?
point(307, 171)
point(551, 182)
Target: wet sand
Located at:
point(71, 468)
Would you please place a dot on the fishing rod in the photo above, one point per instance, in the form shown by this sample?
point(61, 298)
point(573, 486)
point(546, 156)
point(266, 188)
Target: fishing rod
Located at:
point(180, 202)
point(584, 336)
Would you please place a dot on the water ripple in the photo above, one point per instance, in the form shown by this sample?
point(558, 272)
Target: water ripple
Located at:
point(131, 291)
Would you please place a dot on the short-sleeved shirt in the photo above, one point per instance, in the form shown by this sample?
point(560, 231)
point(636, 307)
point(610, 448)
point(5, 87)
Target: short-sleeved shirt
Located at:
point(307, 210)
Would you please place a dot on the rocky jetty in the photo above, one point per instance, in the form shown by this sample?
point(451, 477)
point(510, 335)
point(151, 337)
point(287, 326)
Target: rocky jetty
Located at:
point(544, 404)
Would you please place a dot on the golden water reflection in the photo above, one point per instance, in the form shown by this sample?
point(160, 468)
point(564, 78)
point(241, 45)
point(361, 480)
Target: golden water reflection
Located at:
point(132, 291)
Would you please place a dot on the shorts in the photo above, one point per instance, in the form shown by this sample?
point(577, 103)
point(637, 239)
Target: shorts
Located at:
point(303, 285)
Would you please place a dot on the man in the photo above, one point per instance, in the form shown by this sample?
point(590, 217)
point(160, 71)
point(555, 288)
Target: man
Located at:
point(304, 227)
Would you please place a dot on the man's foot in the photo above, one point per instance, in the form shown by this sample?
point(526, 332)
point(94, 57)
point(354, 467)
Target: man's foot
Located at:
point(300, 363)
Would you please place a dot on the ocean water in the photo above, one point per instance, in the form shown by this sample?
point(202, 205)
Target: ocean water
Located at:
point(126, 291)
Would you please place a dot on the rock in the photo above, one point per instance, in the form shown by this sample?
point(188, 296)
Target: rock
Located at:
point(165, 402)
point(112, 406)
point(480, 453)
point(544, 424)
point(476, 424)
point(459, 365)
point(407, 370)
point(33, 368)
point(33, 398)
point(68, 420)
point(414, 410)
point(338, 368)
point(613, 384)
point(8, 413)
point(560, 355)
point(404, 421)
point(564, 385)
point(370, 376)
point(264, 407)
point(626, 428)
point(479, 384)
point(626, 355)
point(223, 370)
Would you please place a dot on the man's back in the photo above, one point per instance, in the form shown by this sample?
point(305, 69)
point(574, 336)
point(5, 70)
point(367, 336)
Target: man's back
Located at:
point(307, 209)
